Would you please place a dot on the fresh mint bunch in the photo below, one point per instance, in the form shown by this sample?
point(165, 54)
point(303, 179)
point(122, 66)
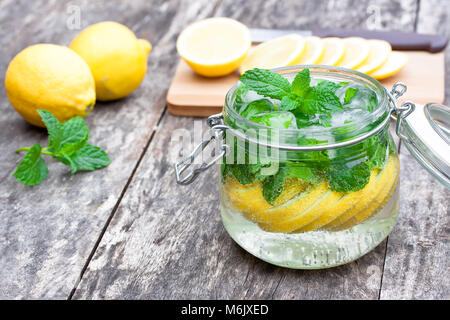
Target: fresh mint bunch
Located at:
point(67, 142)
point(283, 103)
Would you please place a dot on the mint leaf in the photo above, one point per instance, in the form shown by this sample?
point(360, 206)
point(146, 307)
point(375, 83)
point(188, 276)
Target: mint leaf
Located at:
point(300, 85)
point(329, 85)
point(238, 100)
point(376, 147)
point(320, 100)
point(344, 179)
point(53, 128)
point(75, 134)
point(256, 107)
point(300, 171)
point(273, 186)
point(266, 83)
point(275, 119)
point(290, 102)
point(241, 173)
point(32, 169)
point(67, 143)
point(350, 93)
point(88, 158)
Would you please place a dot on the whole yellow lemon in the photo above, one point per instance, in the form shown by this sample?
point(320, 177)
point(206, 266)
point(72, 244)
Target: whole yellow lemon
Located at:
point(49, 77)
point(118, 60)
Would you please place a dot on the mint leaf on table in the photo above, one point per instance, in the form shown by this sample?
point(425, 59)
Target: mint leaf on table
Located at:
point(257, 106)
point(344, 179)
point(301, 83)
point(266, 83)
point(273, 186)
point(32, 169)
point(75, 135)
point(53, 128)
point(67, 143)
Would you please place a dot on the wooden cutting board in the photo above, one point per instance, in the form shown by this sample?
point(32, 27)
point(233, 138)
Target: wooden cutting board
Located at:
point(193, 95)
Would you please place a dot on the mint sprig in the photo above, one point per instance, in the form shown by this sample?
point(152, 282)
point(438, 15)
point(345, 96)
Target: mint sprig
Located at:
point(67, 143)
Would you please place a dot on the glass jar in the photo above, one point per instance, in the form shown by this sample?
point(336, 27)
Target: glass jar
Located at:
point(313, 197)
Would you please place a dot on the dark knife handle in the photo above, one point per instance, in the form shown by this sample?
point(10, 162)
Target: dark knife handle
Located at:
point(398, 40)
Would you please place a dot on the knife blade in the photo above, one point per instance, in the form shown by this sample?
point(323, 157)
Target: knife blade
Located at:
point(398, 40)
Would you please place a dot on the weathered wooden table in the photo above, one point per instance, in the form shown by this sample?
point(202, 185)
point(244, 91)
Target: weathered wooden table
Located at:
point(129, 231)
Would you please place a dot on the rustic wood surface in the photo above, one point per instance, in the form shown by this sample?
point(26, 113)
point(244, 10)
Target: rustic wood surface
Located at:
point(130, 232)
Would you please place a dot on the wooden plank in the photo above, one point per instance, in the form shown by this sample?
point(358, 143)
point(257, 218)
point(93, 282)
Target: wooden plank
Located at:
point(417, 259)
point(167, 241)
point(47, 232)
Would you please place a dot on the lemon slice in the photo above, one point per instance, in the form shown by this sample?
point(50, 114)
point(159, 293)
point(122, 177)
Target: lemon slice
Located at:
point(279, 52)
point(314, 49)
point(380, 200)
point(356, 52)
point(378, 55)
point(339, 207)
point(395, 63)
point(378, 189)
point(214, 47)
point(333, 52)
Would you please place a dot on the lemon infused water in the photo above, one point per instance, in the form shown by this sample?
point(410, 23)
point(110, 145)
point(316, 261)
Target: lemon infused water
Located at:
point(311, 179)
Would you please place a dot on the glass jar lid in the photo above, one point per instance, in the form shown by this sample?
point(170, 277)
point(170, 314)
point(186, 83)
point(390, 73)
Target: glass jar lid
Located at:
point(426, 134)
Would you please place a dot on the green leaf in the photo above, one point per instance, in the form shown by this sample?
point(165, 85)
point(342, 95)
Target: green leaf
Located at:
point(344, 179)
point(75, 134)
point(88, 158)
point(32, 169)
point(273, 186)
point(300, 171)
point(300, 85)
point(256, 107)
point(241, 173)
point(328, 85)
point(290, 102)
point(275, 119)
point(238, 100)
point(350, 93)
point(376, 148)
point(320, 101)
point(266, 83)
point(53, 128)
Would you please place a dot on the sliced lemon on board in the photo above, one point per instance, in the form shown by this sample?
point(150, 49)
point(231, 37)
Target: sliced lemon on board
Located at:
point(215, 46)
point(378, 55)
point(314, 50)
point(334, 50)
point(394, 64)
point(356, 52)
point(278, 52)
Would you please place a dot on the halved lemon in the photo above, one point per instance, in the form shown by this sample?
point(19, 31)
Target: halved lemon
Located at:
point(214, 47)
point(334, 50)
point(314, 50)
point(356, 52)
point(378, 55)
point(395, 63)
point(279, 52)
